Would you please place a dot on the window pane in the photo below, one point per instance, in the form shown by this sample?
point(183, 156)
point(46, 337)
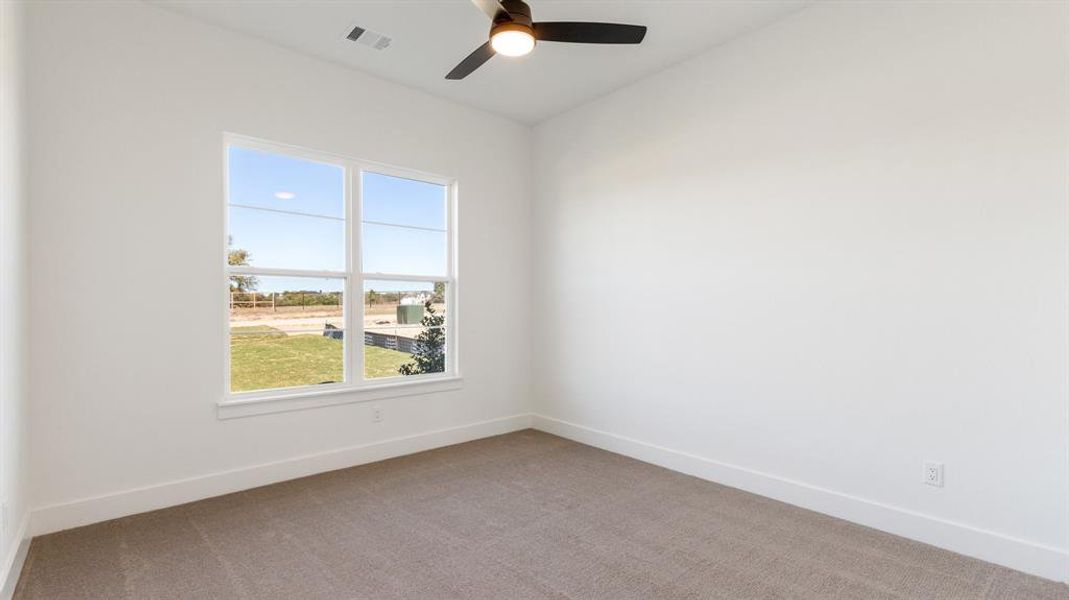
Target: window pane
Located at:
point(285, 332)
point(286, 183)
point(285, 241)
point(404, 328)
point(403, 251)
point(399, 201)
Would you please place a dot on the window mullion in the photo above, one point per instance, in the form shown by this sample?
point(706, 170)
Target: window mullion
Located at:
point(451, 284)
point(355, 308)
point(269, 272)
point(401, 277)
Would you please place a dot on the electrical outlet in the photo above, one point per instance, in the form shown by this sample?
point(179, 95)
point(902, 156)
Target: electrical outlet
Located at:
point(933, 473)
point(376, 414)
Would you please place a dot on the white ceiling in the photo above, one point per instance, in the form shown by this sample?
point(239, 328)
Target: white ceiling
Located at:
point(431, 36)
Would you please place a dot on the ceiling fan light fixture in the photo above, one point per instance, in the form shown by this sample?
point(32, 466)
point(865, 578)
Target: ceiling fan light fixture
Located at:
point(512, 39)
point(514, 33)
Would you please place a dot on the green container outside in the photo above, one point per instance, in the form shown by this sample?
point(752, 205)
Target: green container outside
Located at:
point(409, 314)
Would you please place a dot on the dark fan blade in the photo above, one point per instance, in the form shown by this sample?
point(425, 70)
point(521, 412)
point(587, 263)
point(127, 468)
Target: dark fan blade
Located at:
point(493, 9)
point(473, 61)
point(589, 33)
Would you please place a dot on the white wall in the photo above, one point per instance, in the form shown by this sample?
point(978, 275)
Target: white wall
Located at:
point(128, 107)
point(815, 257)
point(13, 288)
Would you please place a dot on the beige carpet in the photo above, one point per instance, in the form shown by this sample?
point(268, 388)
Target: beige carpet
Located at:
point(524, 515)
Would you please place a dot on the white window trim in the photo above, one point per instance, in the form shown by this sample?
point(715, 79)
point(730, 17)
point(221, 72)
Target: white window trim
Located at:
point(356, 388)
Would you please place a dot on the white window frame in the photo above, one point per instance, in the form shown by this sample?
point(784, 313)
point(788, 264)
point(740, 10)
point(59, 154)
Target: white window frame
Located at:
point(355, 388)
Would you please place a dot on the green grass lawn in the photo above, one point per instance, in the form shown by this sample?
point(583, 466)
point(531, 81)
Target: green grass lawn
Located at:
point(381, 362)
point(263, 357)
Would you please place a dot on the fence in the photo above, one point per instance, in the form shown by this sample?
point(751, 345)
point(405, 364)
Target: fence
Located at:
point(277, 300)
point(390, 342)
point(374, 338)
point(252, 300)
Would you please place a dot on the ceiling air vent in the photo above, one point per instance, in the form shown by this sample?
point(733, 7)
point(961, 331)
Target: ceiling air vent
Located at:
point(369, 38)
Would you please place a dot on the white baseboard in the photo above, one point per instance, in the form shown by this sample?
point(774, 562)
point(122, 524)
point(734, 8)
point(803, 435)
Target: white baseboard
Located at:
point(16, 557)
point(58, 517)
point(1022, 555)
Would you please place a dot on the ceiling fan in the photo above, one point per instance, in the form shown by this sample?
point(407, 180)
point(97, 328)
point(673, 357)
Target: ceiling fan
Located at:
point(513, 33)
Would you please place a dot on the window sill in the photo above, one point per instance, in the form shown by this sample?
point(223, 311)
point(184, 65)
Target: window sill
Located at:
point(251, 404)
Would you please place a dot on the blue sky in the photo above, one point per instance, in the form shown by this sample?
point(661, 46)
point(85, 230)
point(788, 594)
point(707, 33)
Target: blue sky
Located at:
point(314, 238)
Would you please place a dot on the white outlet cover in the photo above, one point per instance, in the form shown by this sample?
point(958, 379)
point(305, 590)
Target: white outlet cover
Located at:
point(933, 473)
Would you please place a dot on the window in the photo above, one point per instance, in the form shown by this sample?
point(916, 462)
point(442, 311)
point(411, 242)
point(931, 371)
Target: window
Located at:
point(339, 273)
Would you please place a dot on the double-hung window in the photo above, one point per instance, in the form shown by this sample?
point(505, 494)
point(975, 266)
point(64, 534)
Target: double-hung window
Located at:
point(340, 273)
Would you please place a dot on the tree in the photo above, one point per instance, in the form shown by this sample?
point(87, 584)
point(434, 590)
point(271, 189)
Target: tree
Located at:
point(239, 257)
point(429, 353)
point(372, 297)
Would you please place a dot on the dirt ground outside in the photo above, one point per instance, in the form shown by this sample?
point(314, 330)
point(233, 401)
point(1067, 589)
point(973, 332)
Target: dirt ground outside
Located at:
point(310, 320)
